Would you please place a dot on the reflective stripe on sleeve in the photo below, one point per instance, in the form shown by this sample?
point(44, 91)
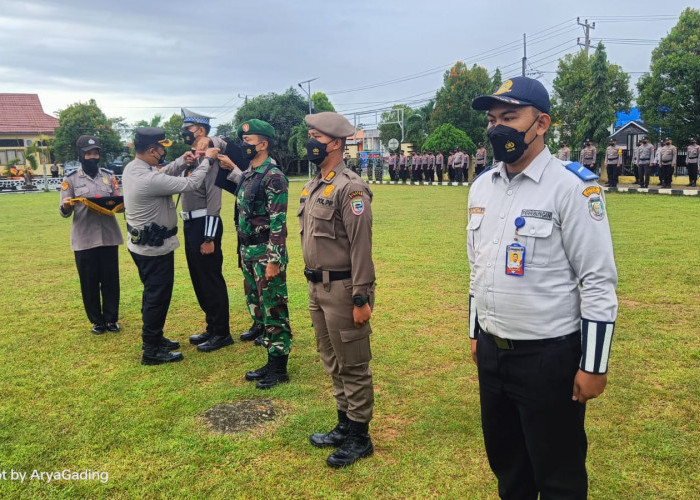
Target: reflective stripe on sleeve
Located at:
point(211, 224)
point(596, 338)
point(472, 318)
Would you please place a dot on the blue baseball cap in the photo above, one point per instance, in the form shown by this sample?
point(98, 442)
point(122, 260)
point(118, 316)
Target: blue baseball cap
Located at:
point(520, 91)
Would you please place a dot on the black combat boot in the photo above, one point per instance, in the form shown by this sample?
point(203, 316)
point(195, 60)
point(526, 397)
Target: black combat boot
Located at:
point(200, 338)
point(261, 372)
point(168, 344)
point(334, 438)
point(215, 342)
point(356, 446)
point(252, 333)
point(157, 355)
point(276, 373)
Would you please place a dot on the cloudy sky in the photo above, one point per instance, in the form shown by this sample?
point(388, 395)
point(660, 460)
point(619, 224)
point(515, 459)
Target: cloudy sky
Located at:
point(139, 58)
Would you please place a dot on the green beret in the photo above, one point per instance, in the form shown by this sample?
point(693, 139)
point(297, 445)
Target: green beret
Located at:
point(257, 127)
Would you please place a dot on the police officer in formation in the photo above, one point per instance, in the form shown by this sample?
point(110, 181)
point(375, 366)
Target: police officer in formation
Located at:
point(262, 233)
point(378, 168)
point(635, 163)
point(645, 160)
point(667, 154)
point(613, 163)
point(203, 230)
point(415, 166)
point(542, 303)
point(564, 153)
point(691, 162)
point(439, 164)
point(94, 237)
point(450, 166)
point(480, 159)
point(393, 172)
point(587, 156)
point(335, 218)
point(458, 163)
point(403, 172)
point(151, 222)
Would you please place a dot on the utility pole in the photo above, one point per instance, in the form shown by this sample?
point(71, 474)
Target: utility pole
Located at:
point(244, 96)
point(587, 34)
point(311, 111)
point(524, 53)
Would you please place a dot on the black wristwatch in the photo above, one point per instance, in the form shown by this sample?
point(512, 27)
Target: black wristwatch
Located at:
point(208, 239)
point(359, 300)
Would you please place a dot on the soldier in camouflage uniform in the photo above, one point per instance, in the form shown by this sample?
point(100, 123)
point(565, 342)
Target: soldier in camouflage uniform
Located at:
point(378, 168)
point(262, 232)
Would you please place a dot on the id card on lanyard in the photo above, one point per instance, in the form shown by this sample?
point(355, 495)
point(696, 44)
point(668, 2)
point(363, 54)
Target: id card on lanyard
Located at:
point(515, 253)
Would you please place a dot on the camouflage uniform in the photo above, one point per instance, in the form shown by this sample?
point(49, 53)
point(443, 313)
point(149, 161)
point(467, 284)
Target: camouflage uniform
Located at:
point(262, 229)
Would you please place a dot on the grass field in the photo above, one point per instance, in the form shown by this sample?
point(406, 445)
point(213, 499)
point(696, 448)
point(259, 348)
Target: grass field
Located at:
point(71, 400)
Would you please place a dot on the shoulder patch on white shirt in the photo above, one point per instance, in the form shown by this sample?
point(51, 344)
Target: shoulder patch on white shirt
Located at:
point(581, 171)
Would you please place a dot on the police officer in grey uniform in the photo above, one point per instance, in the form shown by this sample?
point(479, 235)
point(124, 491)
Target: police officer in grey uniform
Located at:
point(94, 237)
point(667, 162)
point(151, 221)
point(613, 162)
point(645, 159)
point(335, 218)
point(542, 303)
point(587, 156)
point(691, 162)
point(439, 164)
point(458, 165)
point(564, 153)
point(480, 159)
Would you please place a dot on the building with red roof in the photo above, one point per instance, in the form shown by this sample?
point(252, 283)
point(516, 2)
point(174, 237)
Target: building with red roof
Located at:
point(22, 122)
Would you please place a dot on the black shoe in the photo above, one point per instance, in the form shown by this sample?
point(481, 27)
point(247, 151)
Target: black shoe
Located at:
point(157, 355)
point(259, 340)
point(260, 373)
point(334, 438)
point(200, 338)
point(253, 333)
point(166, 343)
point(215, 343)
point(98, 328)
point(113, 327)
point(356, 446)
point(276, 373)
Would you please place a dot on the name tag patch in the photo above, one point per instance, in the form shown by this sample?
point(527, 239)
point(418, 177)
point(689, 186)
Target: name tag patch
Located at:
point(476, 210)
point(536, 214)
point(591, 190)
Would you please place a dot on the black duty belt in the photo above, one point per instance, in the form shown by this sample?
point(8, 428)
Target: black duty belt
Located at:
point(316, 275)
point(509, 344)
point(254, 239)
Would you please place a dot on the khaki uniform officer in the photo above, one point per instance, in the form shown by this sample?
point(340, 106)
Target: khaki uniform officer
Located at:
point(94, 237)
point(335, 217)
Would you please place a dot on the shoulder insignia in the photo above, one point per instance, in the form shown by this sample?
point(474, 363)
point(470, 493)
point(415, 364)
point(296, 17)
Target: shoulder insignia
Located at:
point(64, 184)
point(356, 194)
point(105, 180)
point(277, 183)
point(328, 190)
point(304, 192)
point(72, 173)
point(591, 190)
point(110, 172)
point(330, 175)
point(581, 172)
point(357, 206)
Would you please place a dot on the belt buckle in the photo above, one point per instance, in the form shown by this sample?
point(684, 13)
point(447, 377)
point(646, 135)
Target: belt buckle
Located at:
point(185, 215)
point(506, 344)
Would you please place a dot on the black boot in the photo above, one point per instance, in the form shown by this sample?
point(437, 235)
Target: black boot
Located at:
point(276, 373)
point(200, 338)
point(216, 342)
point(157, 355)
point(253, 333)
point(166, 343)
point(356, 446)
point(260, 373)
point(334, 438)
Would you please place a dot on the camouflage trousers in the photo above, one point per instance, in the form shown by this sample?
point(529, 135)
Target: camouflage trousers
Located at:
point(267, 304)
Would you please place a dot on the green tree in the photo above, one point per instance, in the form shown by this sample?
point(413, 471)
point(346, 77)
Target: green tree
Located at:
point(388, 131)
point(156, 121)
point(598, 105)
point(496, 79)
point(574, 81)
point(321, 102)
point(226, 130)
point(454, 100)
point(669, 97)
point(173, 131)
point(84, 119)
point(447, 137)
point(283, 112)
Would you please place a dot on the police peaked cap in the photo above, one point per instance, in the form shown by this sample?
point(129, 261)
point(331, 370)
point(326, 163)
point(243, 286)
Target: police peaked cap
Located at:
point(189, 117)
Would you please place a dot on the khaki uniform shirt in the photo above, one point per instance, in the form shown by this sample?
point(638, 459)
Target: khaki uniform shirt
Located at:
point(693, 152)
point(90, 229)
point(335, 220)
point(148, 198)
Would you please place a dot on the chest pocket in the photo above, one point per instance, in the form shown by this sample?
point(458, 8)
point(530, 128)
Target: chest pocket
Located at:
point(474, 231)
point(81, 191)
point(322, 222)
point(538, 241)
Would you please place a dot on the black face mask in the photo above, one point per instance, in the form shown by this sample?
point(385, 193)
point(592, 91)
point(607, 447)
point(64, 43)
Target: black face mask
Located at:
point(90, 166)
point(508, 144)
point(248, 150)
point(316, 151)
point(188, 137)
point(161, 158)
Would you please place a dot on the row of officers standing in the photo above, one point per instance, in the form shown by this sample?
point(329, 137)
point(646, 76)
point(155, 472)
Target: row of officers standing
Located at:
point(428, 166)
point(335, 218)
point(645, 159)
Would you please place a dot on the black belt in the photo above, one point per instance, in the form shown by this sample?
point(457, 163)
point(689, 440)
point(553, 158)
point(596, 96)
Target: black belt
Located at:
point(509, 344)
point(254, 239)
point(316, 275)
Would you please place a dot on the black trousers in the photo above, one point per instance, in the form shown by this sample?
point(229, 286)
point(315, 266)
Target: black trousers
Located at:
point(692, 172)
point(644, 174)
point(666, 174)
point(533, 432)
point(478, 169)
point(98, 270)
point(459, 174)
point(157, 275)
point(438, 173)
point(207, 277)
point(451, 173)
point(613, 174)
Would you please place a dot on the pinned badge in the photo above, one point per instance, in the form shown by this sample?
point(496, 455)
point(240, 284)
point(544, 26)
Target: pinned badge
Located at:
point(596, 207)
point(357, 206)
